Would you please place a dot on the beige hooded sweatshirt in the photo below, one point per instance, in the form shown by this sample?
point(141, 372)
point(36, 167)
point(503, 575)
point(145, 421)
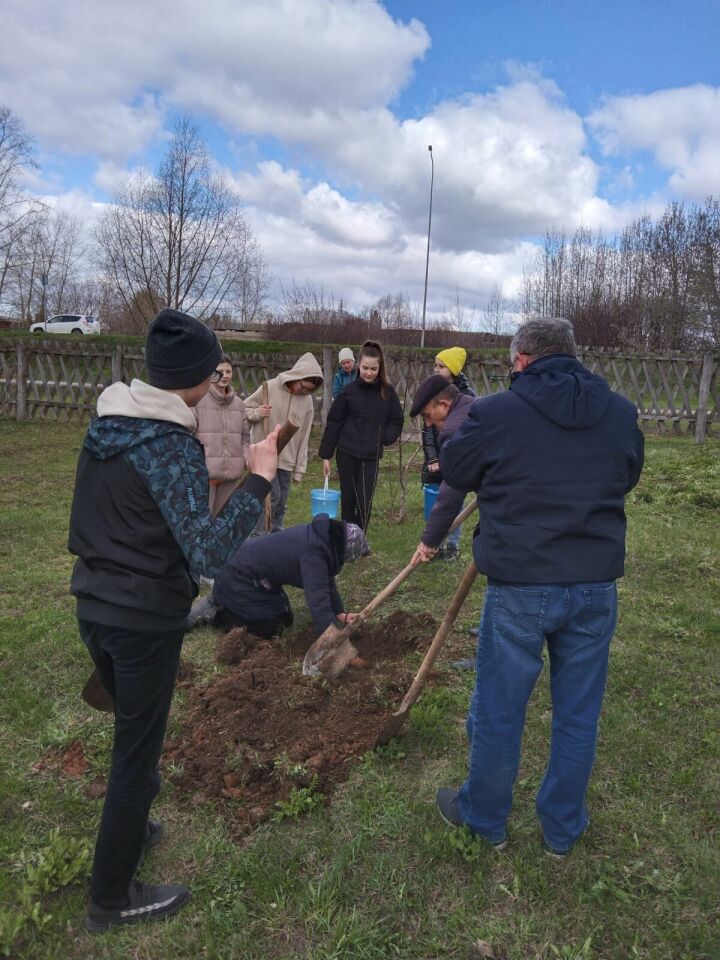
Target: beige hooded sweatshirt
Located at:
point(287, 406)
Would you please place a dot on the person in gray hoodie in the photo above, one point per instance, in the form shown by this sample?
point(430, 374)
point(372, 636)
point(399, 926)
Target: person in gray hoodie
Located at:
point(285, 397)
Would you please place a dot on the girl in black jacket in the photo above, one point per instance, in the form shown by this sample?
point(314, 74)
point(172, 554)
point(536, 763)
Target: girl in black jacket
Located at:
point(364, 419)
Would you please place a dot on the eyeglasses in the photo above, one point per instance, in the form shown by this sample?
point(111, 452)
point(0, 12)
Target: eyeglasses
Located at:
point(217, 376)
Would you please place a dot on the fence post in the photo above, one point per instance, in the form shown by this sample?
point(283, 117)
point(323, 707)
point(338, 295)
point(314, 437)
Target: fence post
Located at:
point(21, 408)
point(116, 364)
point(328, 374)
point(703, 397)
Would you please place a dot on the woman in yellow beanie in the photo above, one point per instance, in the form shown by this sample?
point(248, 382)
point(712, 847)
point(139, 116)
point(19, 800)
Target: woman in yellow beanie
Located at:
point(449, 364)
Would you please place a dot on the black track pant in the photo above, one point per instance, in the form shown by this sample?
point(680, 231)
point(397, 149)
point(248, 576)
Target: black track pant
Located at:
point(138, 668)
point(357, 485)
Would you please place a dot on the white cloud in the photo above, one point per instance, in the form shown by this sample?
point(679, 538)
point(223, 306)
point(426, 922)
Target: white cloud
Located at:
point(680, 127)
point(97, 77)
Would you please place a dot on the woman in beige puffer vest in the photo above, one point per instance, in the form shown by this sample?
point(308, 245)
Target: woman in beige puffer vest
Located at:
point(224, 431)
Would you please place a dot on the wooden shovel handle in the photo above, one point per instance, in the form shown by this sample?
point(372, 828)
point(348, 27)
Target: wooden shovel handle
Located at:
point(287, 432)
point(381, 597)
point(426, 666)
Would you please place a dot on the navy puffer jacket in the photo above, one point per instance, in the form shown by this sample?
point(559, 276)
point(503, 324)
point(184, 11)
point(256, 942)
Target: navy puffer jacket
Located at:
point(551, 460)
point(308, 556)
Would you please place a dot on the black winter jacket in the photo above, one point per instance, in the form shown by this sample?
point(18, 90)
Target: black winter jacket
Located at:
point(308, 556)
point(361, 423)
point(551, 460)
point(140, 525)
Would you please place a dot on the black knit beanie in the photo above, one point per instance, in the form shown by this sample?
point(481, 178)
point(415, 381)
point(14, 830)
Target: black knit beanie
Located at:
point(180, 351)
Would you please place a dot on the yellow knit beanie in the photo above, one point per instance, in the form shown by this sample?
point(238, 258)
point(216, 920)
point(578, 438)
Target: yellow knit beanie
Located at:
point(453, 358)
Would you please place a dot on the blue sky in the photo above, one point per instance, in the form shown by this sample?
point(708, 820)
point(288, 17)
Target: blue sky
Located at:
point(542, 114)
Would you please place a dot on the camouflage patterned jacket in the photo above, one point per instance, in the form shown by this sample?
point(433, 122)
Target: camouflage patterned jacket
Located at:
point(140, 523)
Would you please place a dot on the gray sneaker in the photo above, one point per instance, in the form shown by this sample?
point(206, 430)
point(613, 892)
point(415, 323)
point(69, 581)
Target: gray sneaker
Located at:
point(203, 611)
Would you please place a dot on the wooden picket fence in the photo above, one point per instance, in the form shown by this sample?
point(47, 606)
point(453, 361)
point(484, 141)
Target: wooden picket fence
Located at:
point(47, 380)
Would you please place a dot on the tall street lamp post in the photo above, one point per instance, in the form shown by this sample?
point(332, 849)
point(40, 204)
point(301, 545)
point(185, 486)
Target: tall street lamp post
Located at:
point(427, 255)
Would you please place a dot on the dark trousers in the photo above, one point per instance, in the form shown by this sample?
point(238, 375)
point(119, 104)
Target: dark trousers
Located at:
point(139, 669)
point(357, 486)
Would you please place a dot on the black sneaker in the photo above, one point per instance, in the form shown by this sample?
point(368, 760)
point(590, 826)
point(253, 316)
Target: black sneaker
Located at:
point(440, 555)
point(145, 902)
point(154, 831)
point(447, 804)
point(452, 552)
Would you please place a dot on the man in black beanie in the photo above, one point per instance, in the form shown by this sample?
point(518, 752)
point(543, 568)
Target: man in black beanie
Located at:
point(143, 534)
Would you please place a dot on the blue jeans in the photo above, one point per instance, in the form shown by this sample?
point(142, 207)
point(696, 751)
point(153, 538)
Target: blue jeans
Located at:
point(577, 621)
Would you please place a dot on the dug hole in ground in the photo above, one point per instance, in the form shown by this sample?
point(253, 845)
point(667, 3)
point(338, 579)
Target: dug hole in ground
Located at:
point(262, 733)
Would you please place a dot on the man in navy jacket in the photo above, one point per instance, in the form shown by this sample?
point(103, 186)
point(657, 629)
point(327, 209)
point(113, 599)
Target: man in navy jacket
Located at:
point(551, 461)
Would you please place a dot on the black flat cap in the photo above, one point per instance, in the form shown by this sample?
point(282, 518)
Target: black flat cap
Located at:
point(427, 391)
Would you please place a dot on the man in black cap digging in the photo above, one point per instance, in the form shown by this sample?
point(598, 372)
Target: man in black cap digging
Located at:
point(442, 406)
point(143, 535)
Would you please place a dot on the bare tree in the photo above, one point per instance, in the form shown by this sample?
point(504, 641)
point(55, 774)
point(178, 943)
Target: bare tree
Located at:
point(179, 238)
point(495, 310)
point(47, 260)
point(17, 210)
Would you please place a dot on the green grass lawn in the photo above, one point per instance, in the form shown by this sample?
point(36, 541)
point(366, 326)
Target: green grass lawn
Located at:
point(375, 873)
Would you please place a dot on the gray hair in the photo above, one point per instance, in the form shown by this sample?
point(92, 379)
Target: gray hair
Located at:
point(542, 336)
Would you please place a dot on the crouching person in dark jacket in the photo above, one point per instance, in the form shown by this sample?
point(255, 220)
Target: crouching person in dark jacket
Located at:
point(143, 534)
point(248, 591)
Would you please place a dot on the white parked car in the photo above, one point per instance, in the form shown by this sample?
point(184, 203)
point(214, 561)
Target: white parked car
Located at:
point(67, 323)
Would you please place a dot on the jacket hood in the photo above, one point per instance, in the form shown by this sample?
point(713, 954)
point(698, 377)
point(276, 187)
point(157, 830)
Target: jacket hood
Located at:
point(306, 366)
point(141, 401)
point(564, 391)
point(132, 415)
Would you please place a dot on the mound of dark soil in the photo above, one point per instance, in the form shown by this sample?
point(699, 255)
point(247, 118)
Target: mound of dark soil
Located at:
point(263, 729)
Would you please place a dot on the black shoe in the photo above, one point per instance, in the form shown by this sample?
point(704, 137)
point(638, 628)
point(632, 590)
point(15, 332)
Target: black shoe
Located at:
point(154, 831)
point(447, 804)
point(145, 902)
point(440, 555)
point(452, 552)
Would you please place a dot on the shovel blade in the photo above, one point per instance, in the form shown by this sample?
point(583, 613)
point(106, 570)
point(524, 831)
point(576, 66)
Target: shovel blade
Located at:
point(329, 655)
point(96, 695)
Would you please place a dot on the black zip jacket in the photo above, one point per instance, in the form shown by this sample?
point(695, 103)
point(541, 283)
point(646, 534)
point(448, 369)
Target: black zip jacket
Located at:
point(361, 423)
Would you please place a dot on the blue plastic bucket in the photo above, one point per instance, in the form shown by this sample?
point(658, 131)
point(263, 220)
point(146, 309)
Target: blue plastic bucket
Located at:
point(431, 491)
point(324, 501)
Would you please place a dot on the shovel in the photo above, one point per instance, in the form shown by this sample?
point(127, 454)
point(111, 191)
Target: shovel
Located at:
point(94, 692)
point(333, 650)
point(395, 721)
